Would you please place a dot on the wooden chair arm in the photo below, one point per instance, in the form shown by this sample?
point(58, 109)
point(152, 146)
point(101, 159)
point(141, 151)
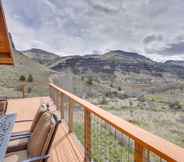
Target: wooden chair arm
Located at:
point(17, 134)
point(23, 121)
point(20, 137)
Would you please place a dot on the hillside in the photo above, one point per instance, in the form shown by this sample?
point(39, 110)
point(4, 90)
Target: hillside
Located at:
point(173, 62)
point(9, 80)
point(41, 56)
point(126, 57)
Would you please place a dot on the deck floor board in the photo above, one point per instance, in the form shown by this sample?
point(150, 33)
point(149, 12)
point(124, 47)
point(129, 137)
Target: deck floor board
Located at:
point(65, 148)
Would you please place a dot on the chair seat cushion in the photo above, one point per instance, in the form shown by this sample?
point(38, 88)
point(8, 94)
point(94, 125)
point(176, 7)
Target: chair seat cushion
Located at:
point(18, 156)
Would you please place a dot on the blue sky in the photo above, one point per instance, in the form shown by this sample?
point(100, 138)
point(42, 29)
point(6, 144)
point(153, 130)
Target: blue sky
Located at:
point(154, 28)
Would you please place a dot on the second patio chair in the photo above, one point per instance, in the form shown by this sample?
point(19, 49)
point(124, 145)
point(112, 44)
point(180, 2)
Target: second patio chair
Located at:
point(40, 141)
point(19, 139)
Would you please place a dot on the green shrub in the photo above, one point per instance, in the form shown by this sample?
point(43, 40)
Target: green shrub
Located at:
point(103, 101)
point(19, 88)
point(108, 94)
point(22, 78)
point(30, 78)
point(175, 105)
point(131, 103)
point(89, 81)
point(82, 78)
point(142, 99)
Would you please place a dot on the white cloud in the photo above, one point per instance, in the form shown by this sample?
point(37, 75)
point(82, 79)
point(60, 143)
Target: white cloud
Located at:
point(82, 26)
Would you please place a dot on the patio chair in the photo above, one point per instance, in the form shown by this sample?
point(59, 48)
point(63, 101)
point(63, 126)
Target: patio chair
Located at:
point(40, 142)
point(18, 139)
point(3, 105)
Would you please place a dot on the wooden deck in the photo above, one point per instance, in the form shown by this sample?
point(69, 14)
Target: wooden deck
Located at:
point(64, 148)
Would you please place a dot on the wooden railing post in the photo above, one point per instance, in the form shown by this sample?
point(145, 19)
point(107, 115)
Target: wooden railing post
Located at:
point(50, 91)
point(57, 100)
point(23, 91)
point(23, 86)
point(87, 135)
point(139, 153)
point(62, 105)
point(70, 113)
point(54, 96)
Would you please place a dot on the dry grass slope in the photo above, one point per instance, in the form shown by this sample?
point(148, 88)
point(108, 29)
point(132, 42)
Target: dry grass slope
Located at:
point(9, 77)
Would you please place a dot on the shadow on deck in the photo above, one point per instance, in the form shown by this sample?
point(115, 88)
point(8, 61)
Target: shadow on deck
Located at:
point(65, 147)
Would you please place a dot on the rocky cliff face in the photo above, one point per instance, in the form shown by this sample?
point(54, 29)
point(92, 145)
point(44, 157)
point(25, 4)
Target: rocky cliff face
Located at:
point(117, 61)
point(108, 63)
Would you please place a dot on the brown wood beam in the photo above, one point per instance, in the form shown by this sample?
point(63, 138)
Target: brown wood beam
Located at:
point(70, 117)
point(87, 135)
point(5, 42)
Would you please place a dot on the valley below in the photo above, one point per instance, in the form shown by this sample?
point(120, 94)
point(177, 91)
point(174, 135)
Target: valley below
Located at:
point(156, 106)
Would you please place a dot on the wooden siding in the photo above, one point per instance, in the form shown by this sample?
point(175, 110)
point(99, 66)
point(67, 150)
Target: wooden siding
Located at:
point(6, 56)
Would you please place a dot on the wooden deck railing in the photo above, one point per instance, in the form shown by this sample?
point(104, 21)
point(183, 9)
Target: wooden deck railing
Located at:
point(106, 137)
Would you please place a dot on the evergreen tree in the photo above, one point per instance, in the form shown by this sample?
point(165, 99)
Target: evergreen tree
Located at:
point(30, 78)
point(22, 78)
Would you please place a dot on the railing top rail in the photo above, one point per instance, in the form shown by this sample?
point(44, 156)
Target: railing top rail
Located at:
point(157, 145)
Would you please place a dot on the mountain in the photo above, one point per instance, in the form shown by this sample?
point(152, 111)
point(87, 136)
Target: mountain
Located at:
point(41, 56)
point(126, 57)
point(110, 62)
point(176, 63)
point(9, 80)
